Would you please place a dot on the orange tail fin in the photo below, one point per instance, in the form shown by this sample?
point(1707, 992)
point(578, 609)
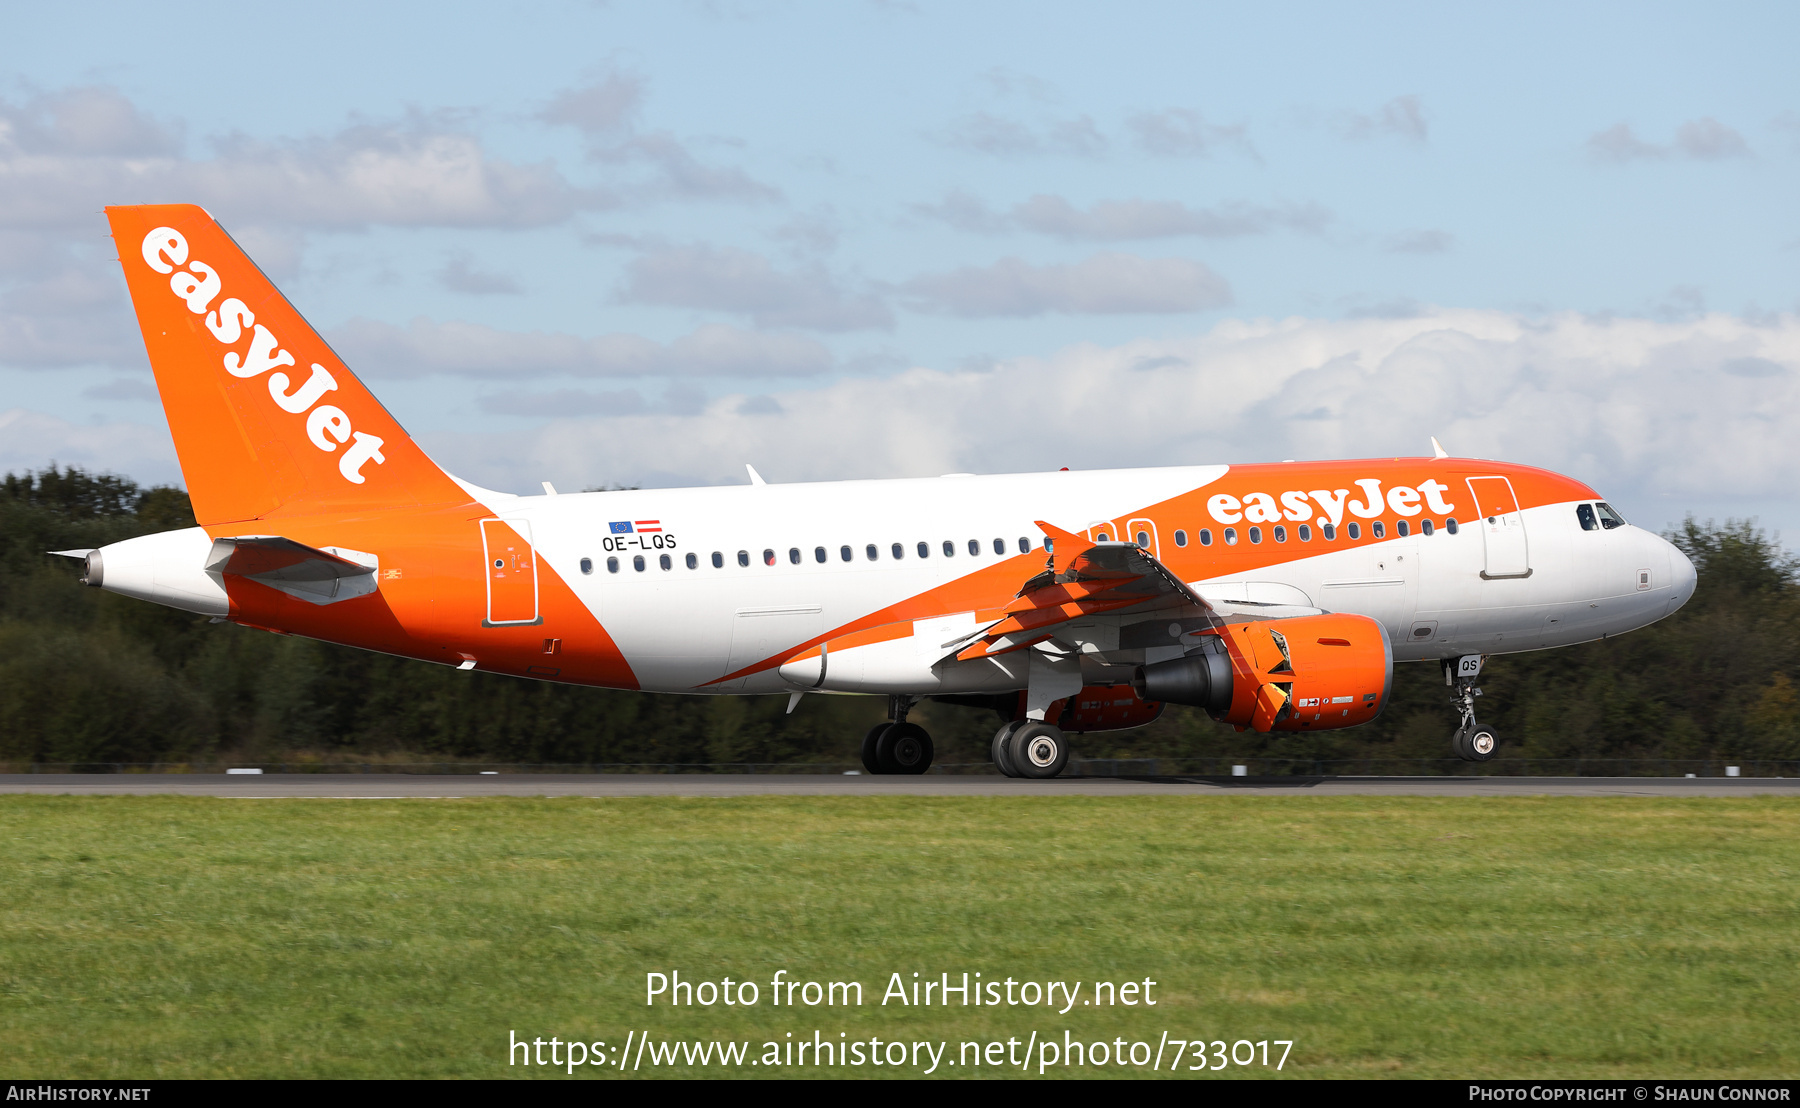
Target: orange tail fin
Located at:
point(267, 421)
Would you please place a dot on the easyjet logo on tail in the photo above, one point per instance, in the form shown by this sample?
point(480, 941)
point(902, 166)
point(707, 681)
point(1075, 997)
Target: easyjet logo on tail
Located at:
point(328, 426)
point(1260, 507)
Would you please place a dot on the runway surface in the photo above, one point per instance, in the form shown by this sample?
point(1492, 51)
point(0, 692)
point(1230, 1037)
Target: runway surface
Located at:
point(449, 786)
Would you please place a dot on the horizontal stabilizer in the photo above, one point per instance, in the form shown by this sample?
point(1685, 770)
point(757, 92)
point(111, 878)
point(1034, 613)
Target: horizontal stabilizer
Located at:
point(317, 576)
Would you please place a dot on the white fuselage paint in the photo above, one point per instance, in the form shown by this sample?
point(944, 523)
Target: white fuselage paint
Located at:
point(681, 629)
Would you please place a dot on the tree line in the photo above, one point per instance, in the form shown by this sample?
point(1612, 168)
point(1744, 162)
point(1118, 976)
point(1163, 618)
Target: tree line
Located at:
point(87, 677)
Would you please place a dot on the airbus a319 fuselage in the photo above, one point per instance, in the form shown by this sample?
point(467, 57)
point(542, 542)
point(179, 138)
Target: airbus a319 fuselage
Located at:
point(1275, 596)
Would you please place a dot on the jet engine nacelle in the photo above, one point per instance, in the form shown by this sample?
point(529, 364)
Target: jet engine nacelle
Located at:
point(1101, 708)
point(1308, 673)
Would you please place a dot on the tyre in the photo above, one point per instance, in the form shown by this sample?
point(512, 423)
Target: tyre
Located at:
point(1481, 743)
point(1459, 744)
point(904, 748)
point(1039, 750)
point(869, 760)
point(1000, 751)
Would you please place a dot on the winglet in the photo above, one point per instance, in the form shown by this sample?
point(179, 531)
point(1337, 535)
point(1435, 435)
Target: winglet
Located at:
point(755, 477)
point(1065, 547)
point(1437, 449)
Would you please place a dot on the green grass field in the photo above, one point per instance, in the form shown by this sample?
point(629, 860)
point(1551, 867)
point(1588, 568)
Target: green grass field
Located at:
point(1505, 937)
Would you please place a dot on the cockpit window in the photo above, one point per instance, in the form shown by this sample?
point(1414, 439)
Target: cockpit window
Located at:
point(1585, 513)
point(1609, 518)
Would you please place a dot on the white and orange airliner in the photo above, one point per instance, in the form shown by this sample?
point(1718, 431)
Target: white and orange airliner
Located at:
point(1277, 597)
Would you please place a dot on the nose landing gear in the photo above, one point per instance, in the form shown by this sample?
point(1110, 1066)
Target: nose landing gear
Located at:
point(1473, 742)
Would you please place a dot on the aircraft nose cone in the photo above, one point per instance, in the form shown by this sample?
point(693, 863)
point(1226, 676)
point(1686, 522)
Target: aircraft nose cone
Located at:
point(1681, 576)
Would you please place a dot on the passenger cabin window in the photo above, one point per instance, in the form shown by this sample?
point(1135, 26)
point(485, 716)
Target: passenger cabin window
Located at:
point(1329, 531)
point(1609, 518)
point(974, 547)
point(1425, 527)
point(819, 554)
point(1585, 513)
point(1180, 537)
point(1305, 532)
point(1103, 537)
point(1000, 546)
point(793, 555)
point(666, 562)
point(587, 565)
point(1401, 529)
point(693, 561)
point(872, 552)
point(1280, 534)
point(1450, 525)
point(1205, 536)
point(612, 565)
point(845, 554)
point(1024, 545)
point(1356, 531)
point(1143, 539)
point(949, 549)
point(1378, 529)
point(1231, 536)
point(743, 557)
point(637, 563)
point(718, 560)
point(1255, 534)
point(924, 550)
point(898, 551)
point(768, 556)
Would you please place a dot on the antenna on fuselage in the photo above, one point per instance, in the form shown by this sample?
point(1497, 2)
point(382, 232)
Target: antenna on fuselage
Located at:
point(1437, 448)
point(755, 477)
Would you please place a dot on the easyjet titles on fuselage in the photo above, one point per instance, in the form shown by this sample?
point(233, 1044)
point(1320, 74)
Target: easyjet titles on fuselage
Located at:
point(1402, 500)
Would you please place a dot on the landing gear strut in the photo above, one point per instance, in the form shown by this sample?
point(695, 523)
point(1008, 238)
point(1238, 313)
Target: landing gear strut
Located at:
point(1473, 742)
point(897, 746)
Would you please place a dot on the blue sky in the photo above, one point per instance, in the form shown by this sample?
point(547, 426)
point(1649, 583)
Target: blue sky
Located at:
point(646, 243)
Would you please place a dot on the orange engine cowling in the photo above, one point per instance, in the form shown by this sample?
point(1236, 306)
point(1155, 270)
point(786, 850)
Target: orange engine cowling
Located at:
point(1308, 673)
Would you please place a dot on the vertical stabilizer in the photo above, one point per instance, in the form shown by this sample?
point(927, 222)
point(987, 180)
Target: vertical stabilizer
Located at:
point(267, 421)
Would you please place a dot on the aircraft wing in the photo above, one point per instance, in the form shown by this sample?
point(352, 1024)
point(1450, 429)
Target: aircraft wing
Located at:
point(317, 576)
point(1084, 579)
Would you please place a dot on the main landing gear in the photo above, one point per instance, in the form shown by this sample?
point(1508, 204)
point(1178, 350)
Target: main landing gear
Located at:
point(1473, 742)
point(1030, 748)
point(896, 746)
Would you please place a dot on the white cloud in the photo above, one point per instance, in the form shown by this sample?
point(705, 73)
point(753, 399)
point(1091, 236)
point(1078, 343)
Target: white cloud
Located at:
point(608, 105)
point(732, 280)
point(1659, 416)
point(142, 451)
point(1419, 242)
point(460, 275)
point(1107, 283)
point(1001, 136)
point(1402, 117)
point(606, 112)
point(1703, 139)
point(425, 347)
point(1183, 133)
point(64, 157)
point(1707, 139)
point(1121, 220)
point(1149, 219)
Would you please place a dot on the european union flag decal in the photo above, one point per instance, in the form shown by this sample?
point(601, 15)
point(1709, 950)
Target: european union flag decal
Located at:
point(622, 528)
